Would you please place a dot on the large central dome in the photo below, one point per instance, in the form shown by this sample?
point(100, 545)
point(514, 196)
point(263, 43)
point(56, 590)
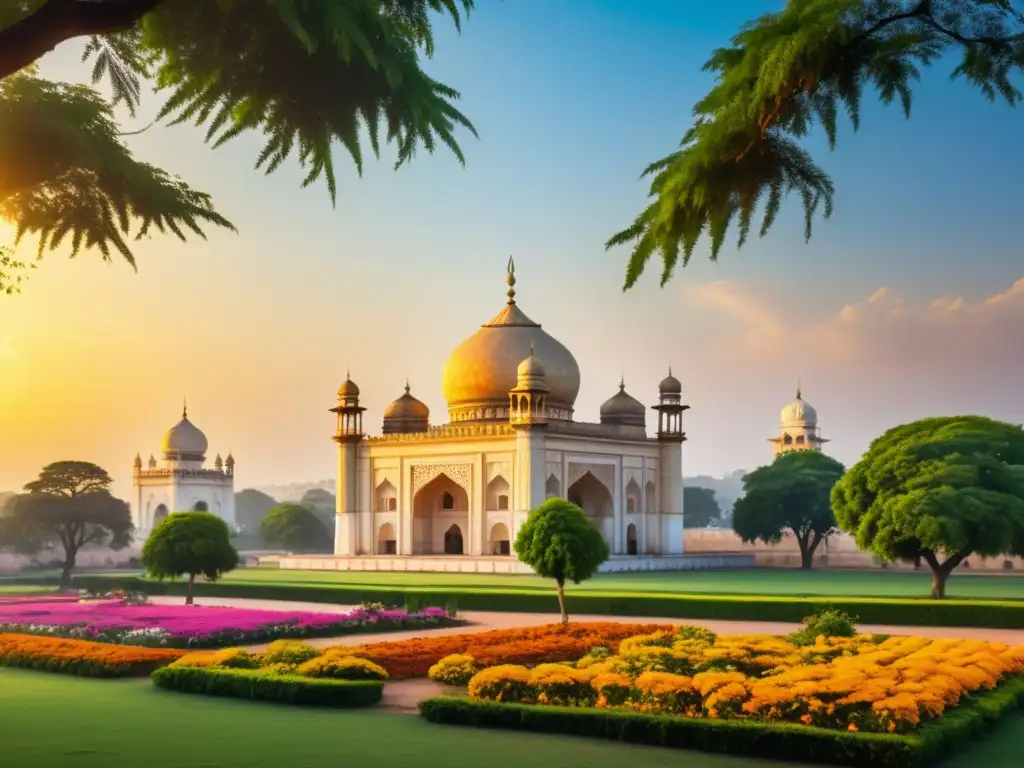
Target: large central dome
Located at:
point(482, 369)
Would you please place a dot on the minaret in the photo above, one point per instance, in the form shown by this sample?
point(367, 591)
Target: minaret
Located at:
point(229, 464)
point(348, 435)
point(528, 416)
point(670, 410)
point(137, 465)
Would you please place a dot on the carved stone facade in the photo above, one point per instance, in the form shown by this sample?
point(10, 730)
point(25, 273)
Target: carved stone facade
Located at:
point(462, 474)
point(603, 472)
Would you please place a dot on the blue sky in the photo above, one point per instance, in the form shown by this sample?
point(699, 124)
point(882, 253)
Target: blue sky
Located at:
point(572, 98)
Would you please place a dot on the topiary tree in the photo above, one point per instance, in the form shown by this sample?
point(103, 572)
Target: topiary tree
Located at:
point(187, 544)
point(785, 73)
point(939, 489)
point(295, 528)
point(792, 494)
point(559, 542)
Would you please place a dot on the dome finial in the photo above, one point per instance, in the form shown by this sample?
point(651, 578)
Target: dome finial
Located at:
point(510, 279)
point(531, 349)
point(799, 396)
point(184, 408)
point(407, 383)
point(622, 381)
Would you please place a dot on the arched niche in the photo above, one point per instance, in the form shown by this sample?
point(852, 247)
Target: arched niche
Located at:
point(552, 488)
point(160, 514)
point(591, 494)
point(387, 543)
point(436, 507)
point(200, 506)
point(633, 497)
point(632, 548)
point(498, 492)
point(385, 496)
point(500, 542)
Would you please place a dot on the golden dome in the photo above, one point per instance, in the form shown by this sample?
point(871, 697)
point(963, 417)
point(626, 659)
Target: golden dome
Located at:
point(348, 388)
point(483, 369)
point(184, 441)
point(406, 414)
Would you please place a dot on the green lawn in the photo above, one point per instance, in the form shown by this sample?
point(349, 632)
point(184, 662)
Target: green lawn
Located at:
point(21, 589)
point(52, 720)
point(761, 581)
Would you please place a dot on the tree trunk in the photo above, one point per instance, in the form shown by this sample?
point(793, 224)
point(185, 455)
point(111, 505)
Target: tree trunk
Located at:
point(808, 542)
point(188, 595)
point(561, 601)
point(941, 571)
point(70, 556)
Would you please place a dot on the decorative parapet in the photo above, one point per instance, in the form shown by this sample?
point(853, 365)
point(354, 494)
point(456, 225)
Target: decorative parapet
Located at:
point(213, 474)
point(448, 432)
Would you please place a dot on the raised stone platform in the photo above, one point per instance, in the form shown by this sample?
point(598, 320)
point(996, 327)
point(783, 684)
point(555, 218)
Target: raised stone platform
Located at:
point(499, 564)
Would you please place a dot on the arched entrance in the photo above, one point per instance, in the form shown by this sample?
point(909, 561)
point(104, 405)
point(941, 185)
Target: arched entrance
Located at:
point(386, 540)
point(436, 507)
point(589, 493)
point(160, 514)
point(453, 541)
point(200, 506)
point(631, 545)
point(499, 540)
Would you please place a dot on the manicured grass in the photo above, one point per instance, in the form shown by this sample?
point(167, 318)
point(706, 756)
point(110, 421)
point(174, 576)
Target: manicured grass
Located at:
point(80, 723)
point(19, 589)
point(761, 581)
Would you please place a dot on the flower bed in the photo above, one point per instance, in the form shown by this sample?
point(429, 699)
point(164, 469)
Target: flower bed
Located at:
point(80, 657)
point(853, 684)
point(529, 645)
point(180, 626)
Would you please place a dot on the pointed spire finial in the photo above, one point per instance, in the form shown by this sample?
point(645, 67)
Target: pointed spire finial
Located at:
point(184, 408)
point(510, 280)
point(531, 349)
point(407, 383)
point(670, 368)
point(348, 373)
point(799, 396)
point(622, 381)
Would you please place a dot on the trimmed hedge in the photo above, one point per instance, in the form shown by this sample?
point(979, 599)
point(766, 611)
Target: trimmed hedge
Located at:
point(907, 612)
point(257, 685)
point(781, 741)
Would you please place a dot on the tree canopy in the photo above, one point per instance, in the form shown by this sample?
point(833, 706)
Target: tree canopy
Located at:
point(69, 506)
point(251, 506)
point(323, 504)
point(559, 542)
point(786, 73)
point(295, 528)
point(340, 68)
point(792, 494)
point(189, 544)
point(700, 506)
point(940, 489)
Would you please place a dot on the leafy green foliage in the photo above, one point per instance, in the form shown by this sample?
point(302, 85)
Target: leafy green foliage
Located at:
point(701, 506)
point(251, 506)
point(68, 176)
point(790, 494)
point(296, 529)
point(343, 71)
point(559, 542)
point(70, 506)
point(786, 73)
point(940, 489)
point(323, 504)
point(11, 272)
point(825, 622)
point(192, 544)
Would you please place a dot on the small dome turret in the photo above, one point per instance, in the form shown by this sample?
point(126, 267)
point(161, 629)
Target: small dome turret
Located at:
point(348, 389)
point(184, 441)
point(798, 413)
point(670, 385)
point(406, 414)
point(623, 409)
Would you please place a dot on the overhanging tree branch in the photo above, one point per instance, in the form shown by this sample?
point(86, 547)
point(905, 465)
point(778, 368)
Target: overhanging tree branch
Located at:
point(59, 20)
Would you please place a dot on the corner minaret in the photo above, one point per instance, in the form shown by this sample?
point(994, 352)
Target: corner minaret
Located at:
point(528, 417)
point(348, 434)
point(670, 410)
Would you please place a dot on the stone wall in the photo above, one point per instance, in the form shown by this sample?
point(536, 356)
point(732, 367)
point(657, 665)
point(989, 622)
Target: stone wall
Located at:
point(837, 552)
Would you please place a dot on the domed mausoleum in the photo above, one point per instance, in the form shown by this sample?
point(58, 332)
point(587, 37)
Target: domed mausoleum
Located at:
point(181, 482)
point(451, 497)
point(798, 428)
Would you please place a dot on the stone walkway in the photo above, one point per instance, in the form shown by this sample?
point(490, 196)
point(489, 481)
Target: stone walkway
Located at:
point(404, 695)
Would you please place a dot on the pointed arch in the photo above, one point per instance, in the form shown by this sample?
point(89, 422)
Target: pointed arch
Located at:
point(633, 497)
point(436, 507)
point(453, 544)
point(385, 496)
point(500, 541)
point(200, 506)
point(386, 540)
point(632, 548)
point(498, 493)
point(552, 488)
point(593, 496)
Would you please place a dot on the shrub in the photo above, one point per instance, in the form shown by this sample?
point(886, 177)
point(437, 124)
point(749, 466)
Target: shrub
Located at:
point(81, 657)
point(341, 667)
point(699, 634)
point(506, 682)
point(825, 622)
point(289, 652)
point(256, 684)
point(456, 669)
point(234, 658)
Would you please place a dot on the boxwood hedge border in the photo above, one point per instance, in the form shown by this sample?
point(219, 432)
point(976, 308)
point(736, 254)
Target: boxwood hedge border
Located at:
point(898, 612)
point(258, 685)
point(927, 746)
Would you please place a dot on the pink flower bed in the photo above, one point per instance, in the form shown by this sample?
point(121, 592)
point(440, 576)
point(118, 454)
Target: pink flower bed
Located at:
point(182, 626)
